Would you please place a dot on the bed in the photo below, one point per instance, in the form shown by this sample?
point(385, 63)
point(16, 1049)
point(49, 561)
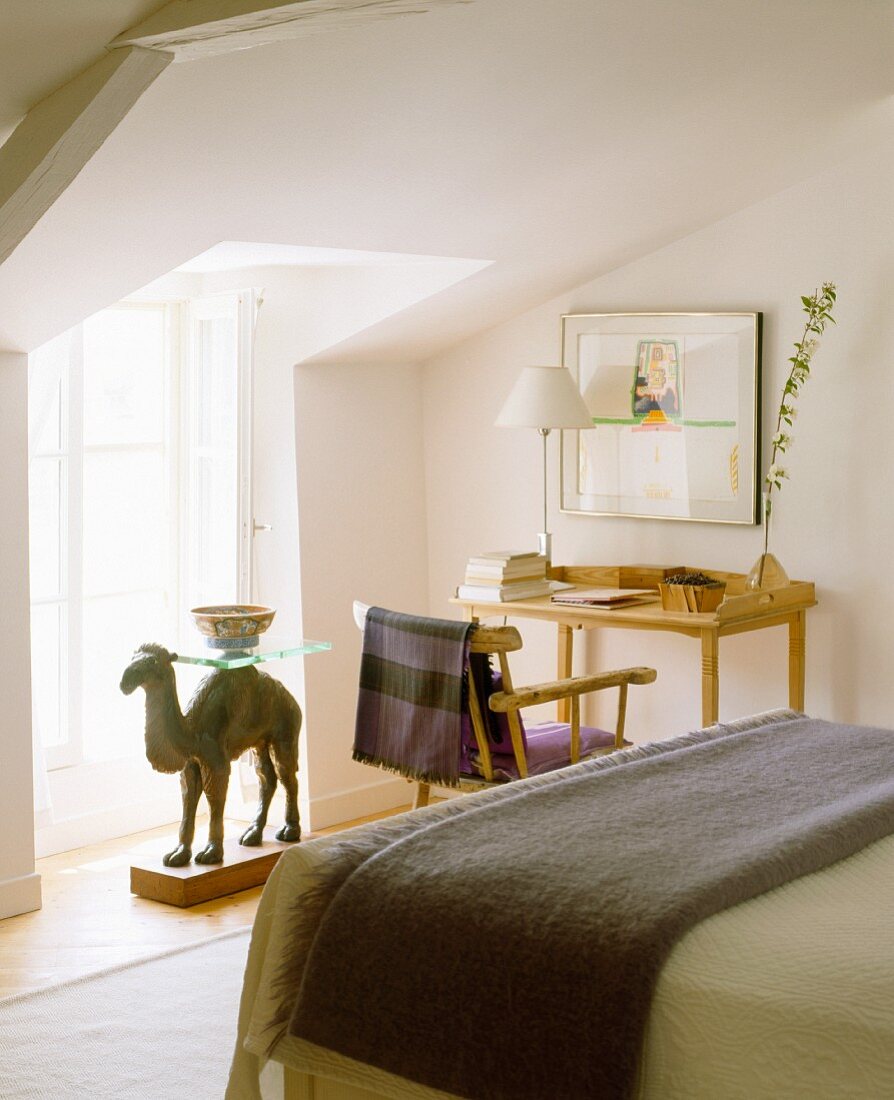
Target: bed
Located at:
point(788, 994)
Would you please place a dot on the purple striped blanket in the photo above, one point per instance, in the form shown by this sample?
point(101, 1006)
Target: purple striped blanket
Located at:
point(409, 707)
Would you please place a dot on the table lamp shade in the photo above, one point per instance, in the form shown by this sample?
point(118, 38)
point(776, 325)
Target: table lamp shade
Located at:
point(544, 397)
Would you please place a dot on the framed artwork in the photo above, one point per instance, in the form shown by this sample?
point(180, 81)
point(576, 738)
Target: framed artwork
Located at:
point(675, 401)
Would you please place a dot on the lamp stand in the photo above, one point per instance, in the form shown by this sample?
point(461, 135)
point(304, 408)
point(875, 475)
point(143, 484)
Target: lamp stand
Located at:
point(544, 538)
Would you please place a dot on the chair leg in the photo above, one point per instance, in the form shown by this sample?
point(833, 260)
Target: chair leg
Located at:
point(622, 716)
point(574, 755)
point(421, 799)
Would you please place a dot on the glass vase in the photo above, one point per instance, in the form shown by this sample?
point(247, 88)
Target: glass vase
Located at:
point(767, 572)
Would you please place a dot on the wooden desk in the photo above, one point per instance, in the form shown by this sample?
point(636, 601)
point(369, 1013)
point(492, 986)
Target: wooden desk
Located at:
point(739, 613)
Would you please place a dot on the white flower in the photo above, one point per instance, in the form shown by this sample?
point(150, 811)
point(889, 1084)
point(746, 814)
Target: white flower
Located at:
point(810, 345)
point(781, 440)
point(775, 475)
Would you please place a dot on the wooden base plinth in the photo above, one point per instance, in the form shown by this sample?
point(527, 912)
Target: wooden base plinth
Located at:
point(241, 869)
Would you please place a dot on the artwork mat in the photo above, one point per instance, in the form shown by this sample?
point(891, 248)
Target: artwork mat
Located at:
point(715, 393)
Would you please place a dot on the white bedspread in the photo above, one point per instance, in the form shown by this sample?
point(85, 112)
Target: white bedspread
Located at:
point(789, 996)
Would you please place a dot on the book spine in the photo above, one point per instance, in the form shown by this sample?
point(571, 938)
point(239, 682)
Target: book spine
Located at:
point(474, 576)
point(479, 592)
point(507, 559)
point(501, 592)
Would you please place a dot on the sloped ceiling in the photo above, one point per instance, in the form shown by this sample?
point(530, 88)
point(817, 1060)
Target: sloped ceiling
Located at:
point(46, 44)
point(558, 140)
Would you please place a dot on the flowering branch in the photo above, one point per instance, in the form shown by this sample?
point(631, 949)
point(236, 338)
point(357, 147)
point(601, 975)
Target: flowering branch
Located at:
point(819, 311)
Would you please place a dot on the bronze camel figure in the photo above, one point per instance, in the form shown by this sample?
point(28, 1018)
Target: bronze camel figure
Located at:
point(232, 710)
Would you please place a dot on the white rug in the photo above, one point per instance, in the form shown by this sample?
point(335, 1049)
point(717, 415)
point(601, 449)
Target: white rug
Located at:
point(160, 1029)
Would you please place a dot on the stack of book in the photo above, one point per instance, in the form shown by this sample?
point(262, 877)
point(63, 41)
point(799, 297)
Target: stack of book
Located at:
point(500, 575)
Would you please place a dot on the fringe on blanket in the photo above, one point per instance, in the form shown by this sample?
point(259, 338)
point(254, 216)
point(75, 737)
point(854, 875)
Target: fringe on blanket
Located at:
point(405, 770)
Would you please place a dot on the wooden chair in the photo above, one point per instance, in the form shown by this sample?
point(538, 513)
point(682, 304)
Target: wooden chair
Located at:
point(499, 641)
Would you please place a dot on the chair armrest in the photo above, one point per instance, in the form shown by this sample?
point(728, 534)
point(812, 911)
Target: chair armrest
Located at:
point(502, 701)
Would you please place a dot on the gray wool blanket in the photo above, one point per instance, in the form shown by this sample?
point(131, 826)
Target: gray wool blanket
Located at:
point(511, 952)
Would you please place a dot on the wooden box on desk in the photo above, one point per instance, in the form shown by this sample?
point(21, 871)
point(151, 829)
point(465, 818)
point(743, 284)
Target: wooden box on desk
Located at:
point(614, 576)
point(741, 604)
point(692, 597)
point(738, 603)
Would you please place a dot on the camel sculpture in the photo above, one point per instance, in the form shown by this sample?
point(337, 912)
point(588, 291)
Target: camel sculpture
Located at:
point(232, 710)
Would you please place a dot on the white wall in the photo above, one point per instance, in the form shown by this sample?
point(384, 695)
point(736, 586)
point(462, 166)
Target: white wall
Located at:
point(19, 885)
point(362, 524)
point(833, 522)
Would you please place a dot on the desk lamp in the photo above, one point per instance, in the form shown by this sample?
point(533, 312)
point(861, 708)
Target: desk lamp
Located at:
point(544, 398)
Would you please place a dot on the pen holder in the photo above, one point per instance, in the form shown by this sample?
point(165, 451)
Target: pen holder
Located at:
point(692, 597)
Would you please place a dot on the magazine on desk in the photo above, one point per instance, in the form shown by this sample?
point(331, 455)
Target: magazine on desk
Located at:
point(605, 597)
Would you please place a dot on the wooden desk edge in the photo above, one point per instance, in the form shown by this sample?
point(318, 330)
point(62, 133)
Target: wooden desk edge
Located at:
point(739, 613)
point(656, 618)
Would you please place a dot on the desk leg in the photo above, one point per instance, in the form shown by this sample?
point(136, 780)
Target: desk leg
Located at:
point(797, 643)
point(710, 677)
point(565, 654)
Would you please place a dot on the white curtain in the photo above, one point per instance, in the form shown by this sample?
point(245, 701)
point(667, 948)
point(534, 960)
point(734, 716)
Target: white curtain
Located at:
point(46, 367)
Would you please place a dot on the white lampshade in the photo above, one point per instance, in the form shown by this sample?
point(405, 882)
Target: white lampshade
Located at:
point(544, 397)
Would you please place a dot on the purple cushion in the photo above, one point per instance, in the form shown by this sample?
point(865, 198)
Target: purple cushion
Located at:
point(499, 724)
point(549, 746)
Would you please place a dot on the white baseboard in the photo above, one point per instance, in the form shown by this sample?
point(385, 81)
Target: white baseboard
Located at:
point(335, 809)
point(94, 828)
point(317, 813)
point(19, 895)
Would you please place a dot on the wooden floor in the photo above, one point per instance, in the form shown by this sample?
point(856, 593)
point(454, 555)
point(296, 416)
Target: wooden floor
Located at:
point(90, 919)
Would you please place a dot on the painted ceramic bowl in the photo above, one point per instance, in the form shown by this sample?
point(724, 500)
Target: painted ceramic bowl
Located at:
point(243, 620)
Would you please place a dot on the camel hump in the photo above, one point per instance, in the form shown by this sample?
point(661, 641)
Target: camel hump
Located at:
point(153, 649)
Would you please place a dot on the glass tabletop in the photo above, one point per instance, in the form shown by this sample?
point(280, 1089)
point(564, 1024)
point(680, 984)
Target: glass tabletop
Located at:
point(271, 648)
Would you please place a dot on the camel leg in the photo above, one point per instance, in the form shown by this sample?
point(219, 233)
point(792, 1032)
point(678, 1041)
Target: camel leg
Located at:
point(254, 834)
point(285, 757)
point(216, 781)
point(191, 789)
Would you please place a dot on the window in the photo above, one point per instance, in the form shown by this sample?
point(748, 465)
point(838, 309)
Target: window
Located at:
point(129, 514)
point(49, 482)
point(217, 476)
point(139, 504)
